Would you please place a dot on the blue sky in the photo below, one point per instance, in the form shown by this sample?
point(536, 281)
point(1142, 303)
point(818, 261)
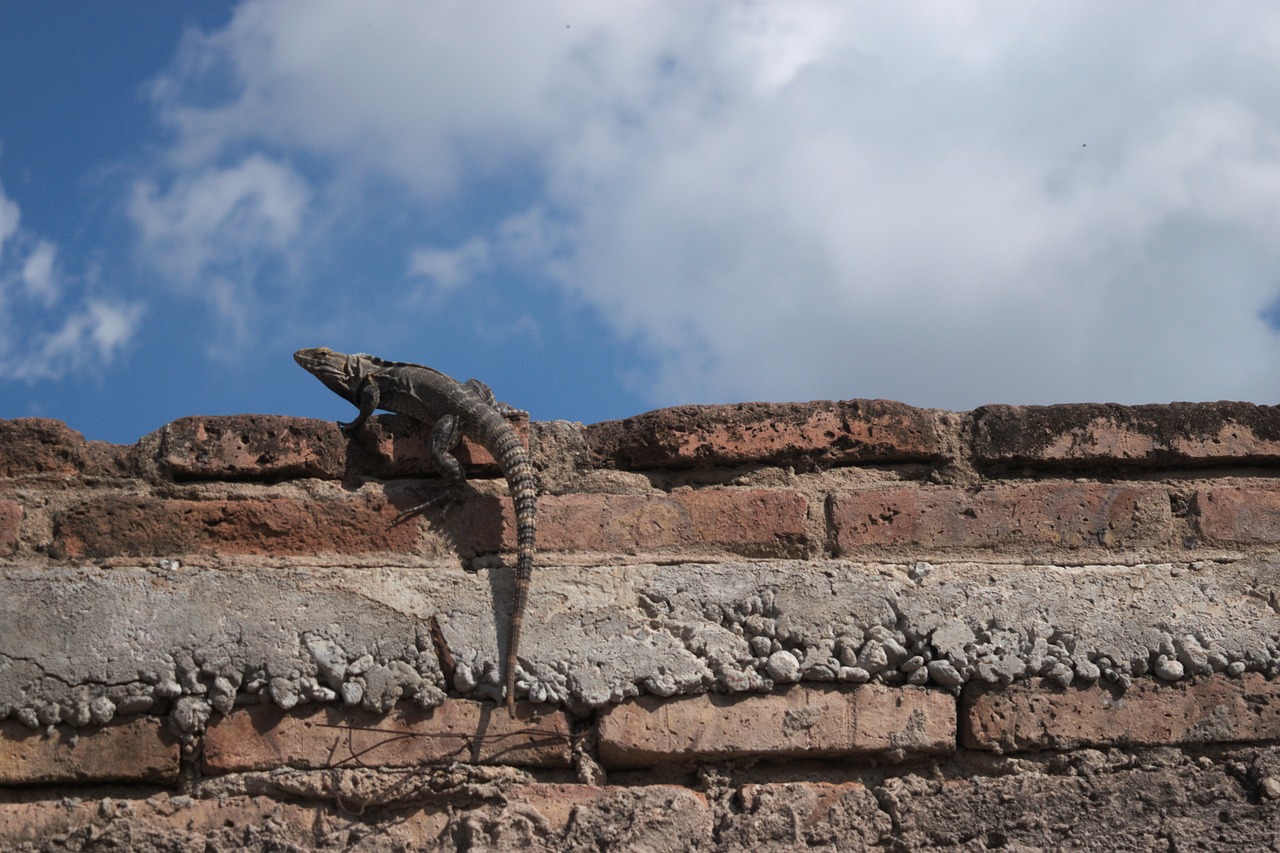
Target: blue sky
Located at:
point(601, 208)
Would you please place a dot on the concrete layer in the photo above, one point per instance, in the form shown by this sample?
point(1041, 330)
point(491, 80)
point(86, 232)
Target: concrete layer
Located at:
point(79, 645)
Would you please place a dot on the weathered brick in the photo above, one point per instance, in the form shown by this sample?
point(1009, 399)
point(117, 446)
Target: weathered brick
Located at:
point(658, 809)
point(252, 447)
point(39, 446)
point(1064, 515)
point(822, 432)
point(1237, 516)
point(750, 522)
point(10, 526)
point(1090, 434)
point(397, 446)
point(803, 722)
point(132, 526)
point(807, 815)
point(135, 750)
point(260, 737)
point(1035, 715)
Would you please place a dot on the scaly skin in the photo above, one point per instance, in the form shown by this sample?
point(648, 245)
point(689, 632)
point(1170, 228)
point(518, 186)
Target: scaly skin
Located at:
point(455, 408)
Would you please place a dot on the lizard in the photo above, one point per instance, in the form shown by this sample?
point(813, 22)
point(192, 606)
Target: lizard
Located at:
point(455, 408)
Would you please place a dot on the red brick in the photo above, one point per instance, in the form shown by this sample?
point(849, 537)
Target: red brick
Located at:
point(869, 720)
point(1063, 515)
point(752, 522)
point(1088, 434)
point(1237, 516)
point(137, 749)
point(823, 432)
point(260, 737)
point(1035, 715)
point(144, 820)
point(10, 526)
point(396, 446)
point(807, 815)
point(30, 446)
point(131, 526)
point(252, 447)
point(563, 805)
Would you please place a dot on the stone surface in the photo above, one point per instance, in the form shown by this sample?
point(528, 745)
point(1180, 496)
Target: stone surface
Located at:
point(139, 749)
point(1061, 515)
point(793, 724)
point(1032, 715)
point(802, 434)
point(1150, 436)
point(264, 737)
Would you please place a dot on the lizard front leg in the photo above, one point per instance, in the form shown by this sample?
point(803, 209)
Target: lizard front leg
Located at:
point(444, 437)
point(367, 399)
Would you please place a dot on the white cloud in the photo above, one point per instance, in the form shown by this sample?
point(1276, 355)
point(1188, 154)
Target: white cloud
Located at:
point(945, 203)
point(10, 216)
point(39, 274)
point(212, 229)
point(447, 270)
point(44, 332)
point(216, 216)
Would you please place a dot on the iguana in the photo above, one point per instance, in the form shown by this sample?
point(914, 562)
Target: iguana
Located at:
point(455, 408)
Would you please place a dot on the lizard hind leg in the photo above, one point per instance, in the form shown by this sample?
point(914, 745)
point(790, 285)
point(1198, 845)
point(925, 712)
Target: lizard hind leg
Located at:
point(486, 394)
point(444, 436)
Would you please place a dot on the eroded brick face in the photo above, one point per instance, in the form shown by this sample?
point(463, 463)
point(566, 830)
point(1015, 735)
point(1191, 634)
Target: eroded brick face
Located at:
point(130, 750)
point(148, 526)
point(1066, 515)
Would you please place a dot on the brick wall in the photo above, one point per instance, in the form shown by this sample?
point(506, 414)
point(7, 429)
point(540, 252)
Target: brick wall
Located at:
point(846, 625)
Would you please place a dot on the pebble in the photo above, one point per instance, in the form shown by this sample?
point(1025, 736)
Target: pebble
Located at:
point(1270, 788)
point(944, 674)
point(1169, 669)
point(783, 667)
point(855, 674)
point(1061, 674)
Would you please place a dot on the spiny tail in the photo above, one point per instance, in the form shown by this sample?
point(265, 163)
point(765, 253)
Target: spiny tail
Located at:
point(514, 462)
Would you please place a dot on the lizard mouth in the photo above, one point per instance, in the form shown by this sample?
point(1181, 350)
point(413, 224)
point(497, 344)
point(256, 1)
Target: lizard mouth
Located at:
point(323, 361)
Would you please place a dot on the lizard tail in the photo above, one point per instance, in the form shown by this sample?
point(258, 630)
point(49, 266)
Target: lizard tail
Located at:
point(513, 460)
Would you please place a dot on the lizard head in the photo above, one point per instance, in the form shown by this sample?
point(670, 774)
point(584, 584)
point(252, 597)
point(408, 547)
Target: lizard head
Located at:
point(340, 372)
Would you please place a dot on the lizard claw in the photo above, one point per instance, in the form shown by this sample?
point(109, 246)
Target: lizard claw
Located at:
point(445, 497)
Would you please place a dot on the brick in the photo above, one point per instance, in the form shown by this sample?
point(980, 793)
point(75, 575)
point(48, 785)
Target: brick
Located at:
point(1090, 434)
point(10, 526)
point(806, 434)
point(1035, 715)
point(396, 446)
point(658, 809)
point(157, 821)
point(30, 446)
point(1236, 516)
point(750, 522)
point(252, 447)
point(134, 750)
point(1063, 515)
point(260, 737)
point(133, 526)
point(807, 815)
point(867, 721)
